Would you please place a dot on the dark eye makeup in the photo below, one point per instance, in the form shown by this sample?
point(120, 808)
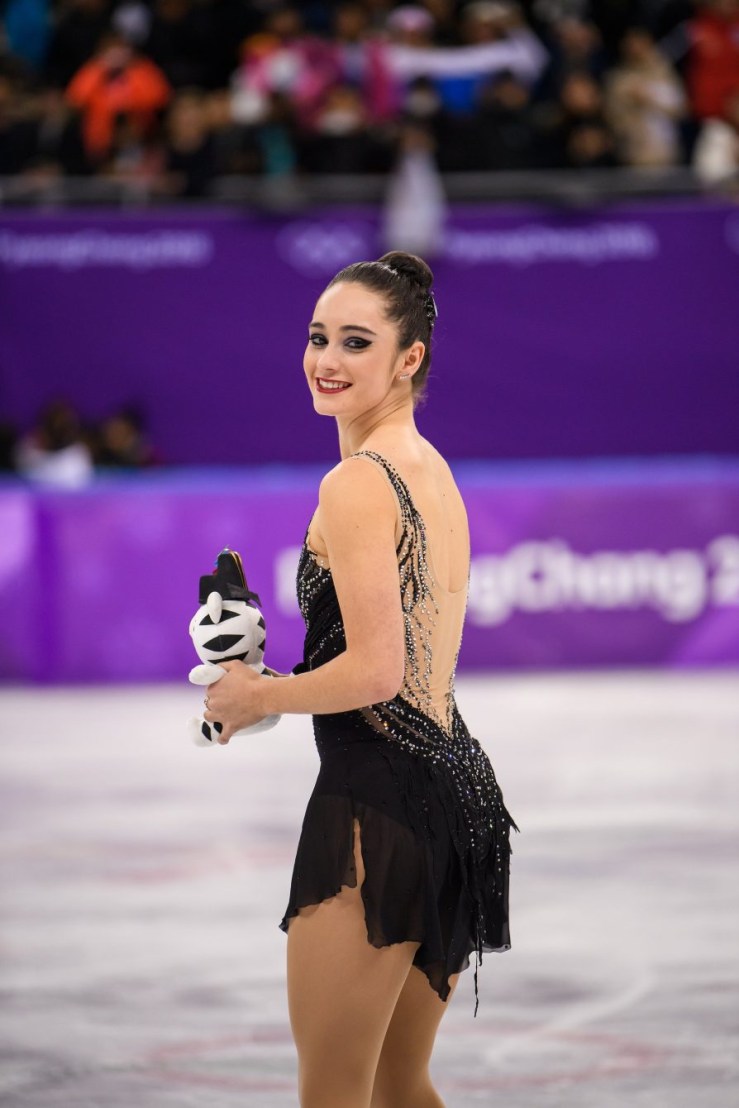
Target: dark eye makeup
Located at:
point(353, 342)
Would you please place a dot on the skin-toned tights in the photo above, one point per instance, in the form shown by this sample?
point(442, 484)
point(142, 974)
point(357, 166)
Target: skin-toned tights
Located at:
point(364, 1019)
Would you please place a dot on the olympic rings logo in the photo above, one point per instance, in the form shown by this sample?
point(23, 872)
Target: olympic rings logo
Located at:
point(317, 249)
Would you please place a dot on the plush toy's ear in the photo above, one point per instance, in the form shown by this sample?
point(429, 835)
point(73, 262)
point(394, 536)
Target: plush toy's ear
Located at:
point(228, 579)
point(214, 604)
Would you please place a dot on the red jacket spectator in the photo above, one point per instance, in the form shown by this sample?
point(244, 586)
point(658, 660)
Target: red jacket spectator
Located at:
point(713, 64)
point(114, 83)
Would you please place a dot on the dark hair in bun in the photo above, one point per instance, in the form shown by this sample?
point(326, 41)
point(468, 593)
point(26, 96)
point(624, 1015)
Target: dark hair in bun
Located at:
point(405, 281)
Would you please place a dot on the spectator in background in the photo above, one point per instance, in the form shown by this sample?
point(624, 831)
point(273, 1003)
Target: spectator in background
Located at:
point(236, 148)
point(190, 156)
point(506, 131)
point(39, 134)
point(134, 158)
point(278, 140)
point(132, 19)
point(192, 41)
point(713, 58)
point(422, 103)
point(644, 103)
point(27, 24)
point(55, 452)
point(57, 149)
point(16, 142)
point(361, 60)
point(114, 83)
point(576, 47)
point(8, 441)
point(79, 28)
point(179, 42)
point(123, 442)
point(378, 13)
point(412, 26)
point(415, 204)
point(285, 61)
point(482, 23)
point(716, 152)
point(485, 21)
point(10, 65)
point(590, 146)
point(458, 73)
point(231, 22)
point(450, 84)
point(444, 14)
point(579, 135)
point(341, 140)
point(330, 87)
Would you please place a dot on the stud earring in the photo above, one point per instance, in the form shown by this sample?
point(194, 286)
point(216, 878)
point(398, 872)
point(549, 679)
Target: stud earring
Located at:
point(404, 376)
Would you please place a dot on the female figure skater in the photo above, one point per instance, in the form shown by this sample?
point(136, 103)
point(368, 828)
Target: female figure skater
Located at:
point(402, 867)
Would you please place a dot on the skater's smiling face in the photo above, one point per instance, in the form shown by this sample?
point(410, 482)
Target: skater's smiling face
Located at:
point(352, 362)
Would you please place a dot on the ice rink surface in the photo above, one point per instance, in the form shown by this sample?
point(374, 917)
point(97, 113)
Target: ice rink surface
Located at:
point(143, 880)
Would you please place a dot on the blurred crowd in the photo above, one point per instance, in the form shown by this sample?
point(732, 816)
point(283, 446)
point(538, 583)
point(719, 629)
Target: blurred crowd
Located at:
point(62, 449)
point(174, 93)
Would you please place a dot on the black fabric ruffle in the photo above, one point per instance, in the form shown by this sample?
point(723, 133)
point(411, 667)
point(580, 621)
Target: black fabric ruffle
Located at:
point(417, 885)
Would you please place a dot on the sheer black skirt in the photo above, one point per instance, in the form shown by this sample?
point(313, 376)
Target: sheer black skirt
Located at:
point(420, 884)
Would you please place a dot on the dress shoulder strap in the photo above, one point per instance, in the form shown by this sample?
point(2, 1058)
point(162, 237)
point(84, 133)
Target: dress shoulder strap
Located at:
point(409, 517)
point(415, 576)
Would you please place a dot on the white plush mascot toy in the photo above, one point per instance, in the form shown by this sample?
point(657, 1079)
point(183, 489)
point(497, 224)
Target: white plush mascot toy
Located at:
point(227, 627)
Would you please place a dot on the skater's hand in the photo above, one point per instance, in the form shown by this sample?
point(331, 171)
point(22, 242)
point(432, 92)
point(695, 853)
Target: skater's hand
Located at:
point(234, 701)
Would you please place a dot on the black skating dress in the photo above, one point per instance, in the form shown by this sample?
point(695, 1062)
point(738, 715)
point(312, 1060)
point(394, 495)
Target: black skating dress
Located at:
point(434, 828)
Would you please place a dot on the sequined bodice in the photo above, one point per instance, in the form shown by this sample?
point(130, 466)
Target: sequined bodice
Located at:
point(410, 720)
point(432, 616)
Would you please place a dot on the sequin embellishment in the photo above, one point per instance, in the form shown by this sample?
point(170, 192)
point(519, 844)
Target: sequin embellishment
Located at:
point(478, 821)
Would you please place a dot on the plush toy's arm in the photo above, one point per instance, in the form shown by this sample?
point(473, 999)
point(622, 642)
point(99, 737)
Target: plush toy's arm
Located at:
point(206, 674)
point(203, 733)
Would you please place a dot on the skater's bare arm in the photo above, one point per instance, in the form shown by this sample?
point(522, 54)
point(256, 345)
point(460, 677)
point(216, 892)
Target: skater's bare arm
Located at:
point(358, 516)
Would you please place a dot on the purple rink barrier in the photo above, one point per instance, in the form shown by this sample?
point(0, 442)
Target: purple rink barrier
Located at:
point(587, 564)
point(560, 333)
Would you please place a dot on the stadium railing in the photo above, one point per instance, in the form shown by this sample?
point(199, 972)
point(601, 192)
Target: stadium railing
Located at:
point(293, 193)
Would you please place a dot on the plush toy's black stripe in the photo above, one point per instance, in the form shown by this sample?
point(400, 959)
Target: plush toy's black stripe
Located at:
point(207, 730)
point(208, 622)
point(232, 658)
point(222, 642)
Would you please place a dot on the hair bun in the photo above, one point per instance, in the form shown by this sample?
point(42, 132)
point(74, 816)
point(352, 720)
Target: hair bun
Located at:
point(410, 266)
